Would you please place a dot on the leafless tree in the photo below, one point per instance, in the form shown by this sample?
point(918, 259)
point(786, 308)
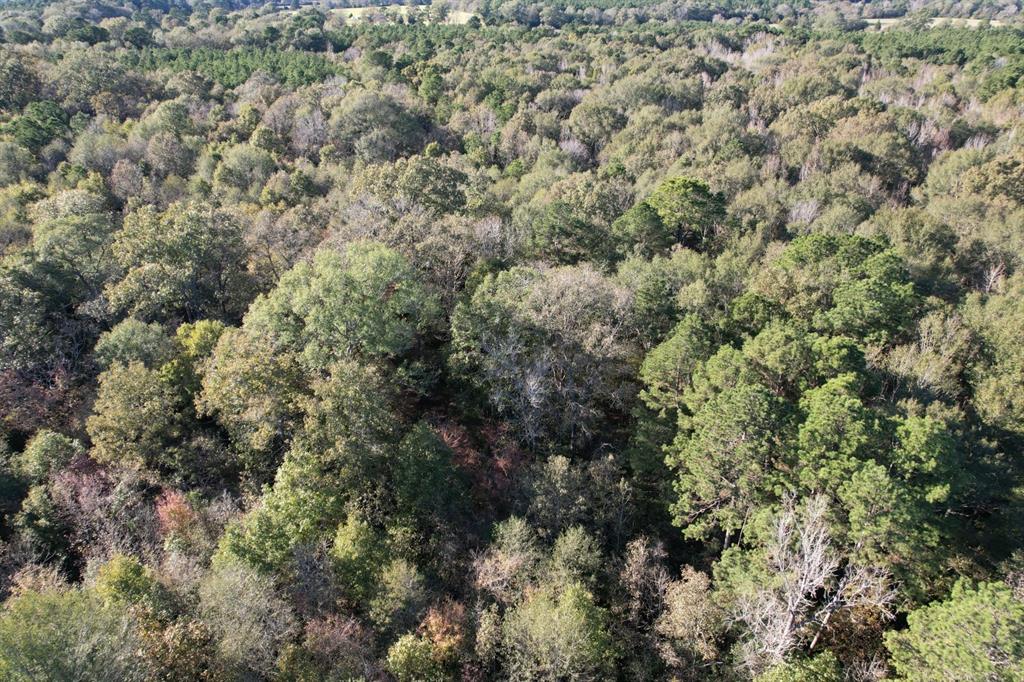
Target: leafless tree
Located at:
point(690, 625)
point(811, 583)
point(310, 133)
point(510, 565)
point(343, 645)
point(645, 580)
point(250, 620)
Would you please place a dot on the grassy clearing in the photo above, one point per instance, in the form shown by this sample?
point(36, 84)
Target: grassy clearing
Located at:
point(937, 21)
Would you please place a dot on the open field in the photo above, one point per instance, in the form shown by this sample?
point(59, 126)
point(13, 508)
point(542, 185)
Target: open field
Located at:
point(937, 21)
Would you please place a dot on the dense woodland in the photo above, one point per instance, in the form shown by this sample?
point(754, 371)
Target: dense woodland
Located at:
point(583, 341)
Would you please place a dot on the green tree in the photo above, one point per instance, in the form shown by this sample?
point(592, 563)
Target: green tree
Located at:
point(977, 633)
point(189, 261)
point(558, 635)
point(690, 213)
point(558, 235)
point(124, 580)
point(194, 342)
point(374, 127)
point(133, 341)
point(400, 599)
point(822, 668)
point(837, 432)
point(842, 285)
point(243, 171)
point(340, 457)
point(136, 420)
point(641, 231)
point(68, 635)
point(39, 124)
point(17, 165)
point(255, 392)
point(82, 75)
point(18, 83)
point(137, 37)
point(368, 301)
point(998, 379)
point(594, 122)
point(656, 287)
point(420, 179)
point(40, 524)
point(72, 235)
point(358, 553)
point(416, 659)
point(27, 338)
point(729, 459)
point(431, 86)
point(46, 453)
point(668, 369)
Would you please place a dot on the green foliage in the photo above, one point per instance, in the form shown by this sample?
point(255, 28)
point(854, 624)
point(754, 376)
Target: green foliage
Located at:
point(668, 369)
point(842, 285)
point(187, 260)
point(358, 553)
point(367, 301)
point(72, 236)
point(838, 430)
point(68, 635)
point(193, 343)
point(319, 297)
point(40, 524)
point(999, 389)
point(254, 393)
point(977, 633)
point(945, 46)
point(39, 124)
point(88, 33)
point(641, 230)
point(85, 78)
point(419, 179)
point(558, 635)
point(125, 581)
point(689, 213)
point(136, 420)
point(137, 37)
point(46, 453)
point(558, 235)
point(232, 67)
point(18, 164)
point(18, 83)
point(133, 341)
point(400, 597)
point(728, 459)
point(821, 668)
point(244, 169)
point(374, 127)
point(341, 454)
point(575, 558)
point(414, 658)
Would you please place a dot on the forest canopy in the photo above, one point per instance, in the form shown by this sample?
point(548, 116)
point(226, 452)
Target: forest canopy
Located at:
point(512, 339)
